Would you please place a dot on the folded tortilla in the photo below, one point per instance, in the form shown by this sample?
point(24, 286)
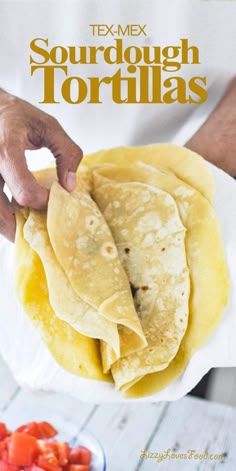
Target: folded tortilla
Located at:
point(205, 257)
point(74, 352)
point(65, 296)
point(67, 305)
point(86, 251)
point(150, 239)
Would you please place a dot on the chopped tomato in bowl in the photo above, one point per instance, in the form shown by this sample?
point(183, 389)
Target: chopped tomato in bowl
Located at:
point(34, 447)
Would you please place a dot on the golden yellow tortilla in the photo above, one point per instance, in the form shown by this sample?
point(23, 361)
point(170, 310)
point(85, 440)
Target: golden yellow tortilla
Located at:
point(180, 161)
point(206, 261)
point(85, 249)
point(150, 238)
point(74, 352)
point(66, 304)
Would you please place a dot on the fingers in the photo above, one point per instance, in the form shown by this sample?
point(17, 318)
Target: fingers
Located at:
point(7, 218)
point(23, 186)
point(68, 155)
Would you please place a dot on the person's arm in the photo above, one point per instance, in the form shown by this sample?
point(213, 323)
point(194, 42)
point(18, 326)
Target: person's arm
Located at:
point(23, 126)
point(216, 139)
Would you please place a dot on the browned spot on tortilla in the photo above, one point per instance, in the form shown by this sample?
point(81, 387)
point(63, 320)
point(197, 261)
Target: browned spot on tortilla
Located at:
point(163, 249)
point(145, 288)
point(127, 250)
point(109, 249)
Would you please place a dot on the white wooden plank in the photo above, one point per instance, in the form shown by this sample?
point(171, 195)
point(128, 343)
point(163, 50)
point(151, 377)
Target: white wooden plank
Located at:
point(123, 431)
point(193, 424)
point(8, 386)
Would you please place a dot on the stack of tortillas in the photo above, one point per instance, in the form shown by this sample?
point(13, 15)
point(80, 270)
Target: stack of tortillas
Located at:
point(125, 277)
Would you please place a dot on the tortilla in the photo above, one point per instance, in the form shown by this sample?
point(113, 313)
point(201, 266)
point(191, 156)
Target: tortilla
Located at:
point(47, 176)
point(86, 251)
point(150, 238)
point(180, 161)
point(67, 305)
point(128, 342)
point(74, 352)
point(205, 258)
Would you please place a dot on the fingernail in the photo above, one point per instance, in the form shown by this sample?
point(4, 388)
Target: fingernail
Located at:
point(71, 181)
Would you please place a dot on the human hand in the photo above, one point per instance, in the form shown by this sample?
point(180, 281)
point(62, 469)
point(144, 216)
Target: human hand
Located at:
point(22, 127)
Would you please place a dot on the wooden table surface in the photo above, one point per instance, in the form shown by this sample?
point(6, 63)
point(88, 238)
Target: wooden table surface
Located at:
point(126, 431)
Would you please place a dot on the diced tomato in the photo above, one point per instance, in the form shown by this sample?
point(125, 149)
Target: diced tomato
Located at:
point(85, 456)
point(22, 449)
point(46, 430)
point(31, 429)
point(31, 448)
point(62, 451)
point(4, 450)
point(3, 431)
point(46, 446)
point(4, 455)
point(7, 442)
point(4, 466)
point(52, 447)
point(38, 430)
point(48, 462)
point(79, 467)
point(33, 467)
point(80, 455)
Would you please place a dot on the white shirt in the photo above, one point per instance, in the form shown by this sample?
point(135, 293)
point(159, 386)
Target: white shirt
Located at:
point(208, 24)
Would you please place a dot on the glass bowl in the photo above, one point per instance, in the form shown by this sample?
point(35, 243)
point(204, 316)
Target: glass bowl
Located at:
point(68, 430)
point(87, 440)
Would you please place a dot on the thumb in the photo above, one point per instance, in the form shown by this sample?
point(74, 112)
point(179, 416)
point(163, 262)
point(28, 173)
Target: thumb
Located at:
point(67, 154)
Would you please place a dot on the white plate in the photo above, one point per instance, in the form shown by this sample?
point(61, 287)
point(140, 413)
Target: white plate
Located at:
point(34, 367)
